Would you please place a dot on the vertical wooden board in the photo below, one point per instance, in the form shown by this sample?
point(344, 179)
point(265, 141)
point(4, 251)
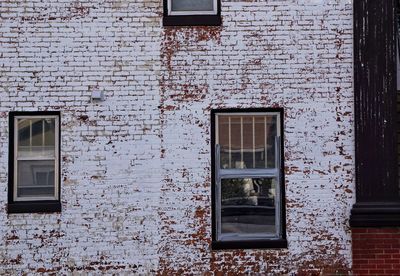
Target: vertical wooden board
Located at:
point(375, 101)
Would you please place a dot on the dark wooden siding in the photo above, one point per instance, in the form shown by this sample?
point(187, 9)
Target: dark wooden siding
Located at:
point(375, 101)
point(398, 136)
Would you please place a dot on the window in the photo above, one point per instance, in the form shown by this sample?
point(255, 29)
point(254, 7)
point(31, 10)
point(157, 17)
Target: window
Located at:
point(247, 187)
point(192, 12)
point(34, 162)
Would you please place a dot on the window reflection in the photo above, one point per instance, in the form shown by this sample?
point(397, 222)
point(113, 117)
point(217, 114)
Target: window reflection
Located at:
point(35, 164)
point(35, 178)
point(192, 5)
point(248, 206)
point(36, 138)
point(247, 141)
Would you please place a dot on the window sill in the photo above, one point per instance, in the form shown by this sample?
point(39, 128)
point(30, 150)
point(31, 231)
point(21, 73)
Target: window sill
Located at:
point(34, 207)
point(375, 215)
point(192, 20)
point(249, 244)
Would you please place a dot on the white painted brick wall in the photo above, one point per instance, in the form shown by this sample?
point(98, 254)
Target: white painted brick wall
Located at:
point(136, 174)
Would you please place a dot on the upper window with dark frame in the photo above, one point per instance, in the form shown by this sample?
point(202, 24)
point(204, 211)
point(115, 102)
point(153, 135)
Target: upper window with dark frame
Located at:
point(192, 13)
point(248, 193)
point(34, 162)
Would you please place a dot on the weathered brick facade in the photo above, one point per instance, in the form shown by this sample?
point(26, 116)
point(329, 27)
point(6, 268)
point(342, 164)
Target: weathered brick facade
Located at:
point(136, 167)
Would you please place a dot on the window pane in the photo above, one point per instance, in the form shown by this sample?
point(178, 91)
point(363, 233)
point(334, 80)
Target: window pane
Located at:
point(247, 141)
point(37, 133)
point(192, 5)
point(35, 178)
point(271, 134)
point(260, 146)
point(248, 207)
point(236, 143)
point(24, 132)
point(36, 138)
point(247, 136)
point(49, 134)
point(224, 141)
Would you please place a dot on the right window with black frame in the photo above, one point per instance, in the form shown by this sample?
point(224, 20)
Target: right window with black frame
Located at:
point(248, 180)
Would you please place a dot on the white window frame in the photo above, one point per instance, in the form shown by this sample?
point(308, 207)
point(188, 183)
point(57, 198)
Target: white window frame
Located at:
point(213, 12)
point(56, 158)
point(272, 173)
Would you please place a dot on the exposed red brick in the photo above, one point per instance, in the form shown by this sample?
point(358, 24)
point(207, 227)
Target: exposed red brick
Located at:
point(383, 260)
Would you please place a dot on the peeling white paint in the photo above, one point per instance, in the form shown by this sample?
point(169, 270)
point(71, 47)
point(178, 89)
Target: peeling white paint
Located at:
point(136, 175)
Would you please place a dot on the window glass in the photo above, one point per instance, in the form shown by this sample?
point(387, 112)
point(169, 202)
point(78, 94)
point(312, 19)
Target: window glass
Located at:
point(35, 178)
point(192, 5)
point(247, 141)
point(260, 140)
point(272, 133)
point(24, 133)
point(236, 141)
point(49, 132)
point(35, 163)
point(36, 138)
point(247, 176)
point(37, 134)
point(248, 181)
point(248, 207)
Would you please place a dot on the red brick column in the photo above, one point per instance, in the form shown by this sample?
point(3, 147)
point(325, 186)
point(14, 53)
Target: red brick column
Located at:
point(376, 251)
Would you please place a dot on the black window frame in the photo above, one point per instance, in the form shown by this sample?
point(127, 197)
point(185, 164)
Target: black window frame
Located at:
point(277, 243)
point(31, 206)
point(192, 20)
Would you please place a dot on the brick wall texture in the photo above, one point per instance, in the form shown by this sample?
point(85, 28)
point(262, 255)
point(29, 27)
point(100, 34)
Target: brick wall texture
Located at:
point(136, 183)
point(376, 251)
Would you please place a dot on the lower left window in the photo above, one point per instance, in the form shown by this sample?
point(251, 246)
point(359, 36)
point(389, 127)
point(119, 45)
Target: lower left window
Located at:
point(34, 162)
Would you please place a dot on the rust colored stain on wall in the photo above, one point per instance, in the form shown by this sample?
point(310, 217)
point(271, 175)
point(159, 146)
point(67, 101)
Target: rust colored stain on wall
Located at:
point(179, 38)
